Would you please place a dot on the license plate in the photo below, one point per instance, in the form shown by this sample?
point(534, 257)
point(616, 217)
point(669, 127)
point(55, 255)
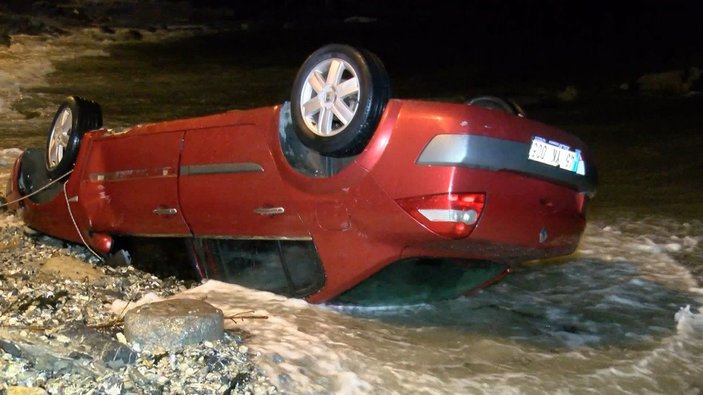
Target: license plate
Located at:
point(556, 154)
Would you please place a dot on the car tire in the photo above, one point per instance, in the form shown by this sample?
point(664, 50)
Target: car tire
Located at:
point(74, 117)
point(498, 103)
point(336, 113)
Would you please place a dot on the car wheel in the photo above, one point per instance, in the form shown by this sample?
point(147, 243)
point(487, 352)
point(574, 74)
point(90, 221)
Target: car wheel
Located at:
point(74, 117)
point(497, 103)
point(338, 98)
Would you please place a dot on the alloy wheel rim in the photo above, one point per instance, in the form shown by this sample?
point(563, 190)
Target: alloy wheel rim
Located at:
point(58, 140)
point(330, 97)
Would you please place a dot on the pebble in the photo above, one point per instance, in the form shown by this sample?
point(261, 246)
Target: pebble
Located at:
point(121, 338)
point(49, 341)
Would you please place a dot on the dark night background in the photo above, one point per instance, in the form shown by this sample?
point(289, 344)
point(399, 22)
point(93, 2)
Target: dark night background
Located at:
point(502, 40)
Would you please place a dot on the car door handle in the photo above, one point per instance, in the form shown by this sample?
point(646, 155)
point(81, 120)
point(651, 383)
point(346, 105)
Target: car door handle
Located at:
point(270, 210)
point(165, 211)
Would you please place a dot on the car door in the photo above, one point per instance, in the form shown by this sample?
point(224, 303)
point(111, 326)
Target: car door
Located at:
point(130, 185)
point(230, 187)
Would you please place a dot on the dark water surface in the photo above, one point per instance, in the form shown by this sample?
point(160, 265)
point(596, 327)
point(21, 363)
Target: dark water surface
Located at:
point(602, 320)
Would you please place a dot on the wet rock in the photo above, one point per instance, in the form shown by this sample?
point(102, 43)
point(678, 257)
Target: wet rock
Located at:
point(119, 356)
point(10, 348)
point(51, 242)
point(172, 324)
point(46, 359)
point(118, 259)
point(216, 363)
point(92, 344)
point(239, 381)
point(57, 333)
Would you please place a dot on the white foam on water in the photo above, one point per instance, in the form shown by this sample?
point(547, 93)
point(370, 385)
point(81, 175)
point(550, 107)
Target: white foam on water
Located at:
point(649, 244)
point(308, 349)
point(292, 341)
point(311, 349)
point(689, 323)
point(293, 332)
point(673, 366)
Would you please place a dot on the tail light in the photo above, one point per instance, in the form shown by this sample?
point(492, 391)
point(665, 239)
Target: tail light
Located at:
point(581, 202)
point(452, 215)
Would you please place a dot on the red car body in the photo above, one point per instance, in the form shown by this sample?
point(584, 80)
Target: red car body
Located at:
point(226, 176)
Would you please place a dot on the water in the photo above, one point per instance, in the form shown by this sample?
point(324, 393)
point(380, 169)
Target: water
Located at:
point(613, 318)
point(622, 315)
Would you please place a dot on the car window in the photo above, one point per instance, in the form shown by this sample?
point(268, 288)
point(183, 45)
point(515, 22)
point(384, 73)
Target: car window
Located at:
point(286, 267)
point(303, 159)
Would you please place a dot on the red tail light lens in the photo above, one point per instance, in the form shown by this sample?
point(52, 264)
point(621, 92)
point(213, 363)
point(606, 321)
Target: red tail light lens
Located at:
point(452, 215)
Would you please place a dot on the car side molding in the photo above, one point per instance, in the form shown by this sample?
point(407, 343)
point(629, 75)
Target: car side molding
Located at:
point(221, 168)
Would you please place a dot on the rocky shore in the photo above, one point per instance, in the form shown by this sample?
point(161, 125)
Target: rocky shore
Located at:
point(59, 17)
point(57, 334)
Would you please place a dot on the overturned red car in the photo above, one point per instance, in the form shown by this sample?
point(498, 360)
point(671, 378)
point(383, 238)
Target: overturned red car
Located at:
point(313, 197)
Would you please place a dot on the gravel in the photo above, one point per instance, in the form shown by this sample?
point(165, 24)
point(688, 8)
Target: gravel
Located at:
point(56, 332)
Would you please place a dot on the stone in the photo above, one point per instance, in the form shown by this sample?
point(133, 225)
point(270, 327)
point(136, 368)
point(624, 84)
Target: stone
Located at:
point(44, 358)
point(92, 360)
point(10, 348)
point(174, 323)
point(70, 268)
point(118, 356)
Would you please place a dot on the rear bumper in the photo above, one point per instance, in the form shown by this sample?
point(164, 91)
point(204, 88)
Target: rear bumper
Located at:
point(523, 218)
point(490, 153)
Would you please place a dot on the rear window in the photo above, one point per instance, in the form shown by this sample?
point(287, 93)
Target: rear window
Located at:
point(303, 159)
point(286, 267)
point(422, 280)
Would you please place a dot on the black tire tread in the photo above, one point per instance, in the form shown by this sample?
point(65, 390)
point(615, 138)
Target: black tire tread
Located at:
point(87, 116)
point(353, 140)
